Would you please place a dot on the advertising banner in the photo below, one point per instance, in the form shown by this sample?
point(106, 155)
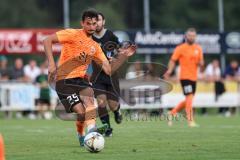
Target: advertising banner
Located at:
point(26, 41)
point(158, 42)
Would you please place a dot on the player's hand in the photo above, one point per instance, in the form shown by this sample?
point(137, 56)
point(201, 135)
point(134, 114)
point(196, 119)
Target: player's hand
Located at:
point(127, 48)
point(110, 59)
point(52, 70)
point(167, 74)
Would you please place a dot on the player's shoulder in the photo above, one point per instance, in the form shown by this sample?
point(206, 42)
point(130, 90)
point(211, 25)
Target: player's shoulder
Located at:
point(198, 46)
point(70, 30)
point(108, 31)
point(181, 46)
point(112, 36)
point(94, 43)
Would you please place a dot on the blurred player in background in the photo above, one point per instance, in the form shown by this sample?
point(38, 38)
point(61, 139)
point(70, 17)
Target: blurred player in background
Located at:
point(106, 88)
point(79, 49)
point(190, 57)
point(44, 101)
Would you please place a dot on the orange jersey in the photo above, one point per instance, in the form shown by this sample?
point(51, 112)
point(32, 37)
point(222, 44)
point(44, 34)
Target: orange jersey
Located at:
point(78, 51)
point(189, 57)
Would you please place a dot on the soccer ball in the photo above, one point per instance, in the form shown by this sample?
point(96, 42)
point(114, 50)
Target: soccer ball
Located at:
point(94, 142)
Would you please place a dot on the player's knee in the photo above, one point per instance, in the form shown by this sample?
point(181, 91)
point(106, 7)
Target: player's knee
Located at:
point(102, 103)
point(79, 108)
point(113, 105)
point(116, 104)
point(87, 100)
point(90, 93)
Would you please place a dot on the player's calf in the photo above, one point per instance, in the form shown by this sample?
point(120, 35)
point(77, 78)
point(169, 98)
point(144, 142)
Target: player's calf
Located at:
point(118, 115)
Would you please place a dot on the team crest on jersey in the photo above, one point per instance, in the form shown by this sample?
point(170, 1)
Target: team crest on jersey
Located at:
point(92, 50)
point(196, 52)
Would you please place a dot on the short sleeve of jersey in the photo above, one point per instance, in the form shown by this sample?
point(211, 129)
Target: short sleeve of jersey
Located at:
point(99, 57)
point(112, 37)
point(115, 38)
point(176, 54)
point(65, 36)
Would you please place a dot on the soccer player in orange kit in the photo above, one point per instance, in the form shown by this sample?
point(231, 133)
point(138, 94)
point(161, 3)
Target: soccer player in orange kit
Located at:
point(190, 57)
point(78, 51)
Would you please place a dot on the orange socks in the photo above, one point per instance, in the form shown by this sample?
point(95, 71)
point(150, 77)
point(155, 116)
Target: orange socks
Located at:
point(1, 149)
point(188, 107)
point(90, 121)
point(91, 116)
point(80, 128)
point(178, 108)
point(189, 110)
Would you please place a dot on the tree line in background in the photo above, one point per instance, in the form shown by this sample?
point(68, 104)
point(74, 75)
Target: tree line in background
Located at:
point(124, 14)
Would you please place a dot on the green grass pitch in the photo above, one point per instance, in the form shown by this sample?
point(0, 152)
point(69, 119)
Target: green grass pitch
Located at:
point(217, 138)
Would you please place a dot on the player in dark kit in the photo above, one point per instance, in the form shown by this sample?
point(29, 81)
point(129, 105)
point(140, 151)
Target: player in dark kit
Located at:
point(106, 88)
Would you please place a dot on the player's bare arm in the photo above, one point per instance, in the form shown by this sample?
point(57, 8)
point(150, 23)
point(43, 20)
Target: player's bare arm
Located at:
point(171, 66)
point(48, 51)
point(201, 65)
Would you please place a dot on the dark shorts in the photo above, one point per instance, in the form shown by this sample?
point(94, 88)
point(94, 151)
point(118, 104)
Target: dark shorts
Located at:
point(68, 91)
point(188, 87)
point(111, 90)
